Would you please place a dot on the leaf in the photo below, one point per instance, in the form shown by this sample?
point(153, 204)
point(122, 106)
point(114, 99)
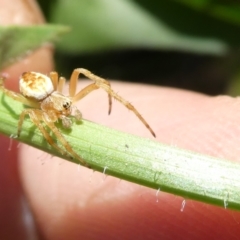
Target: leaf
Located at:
point(18, 41)
point(226, 10)
point(103, 25)
point(194, 23)
point(149, 163)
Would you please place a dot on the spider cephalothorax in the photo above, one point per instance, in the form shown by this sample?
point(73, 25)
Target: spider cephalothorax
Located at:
point(48, 104)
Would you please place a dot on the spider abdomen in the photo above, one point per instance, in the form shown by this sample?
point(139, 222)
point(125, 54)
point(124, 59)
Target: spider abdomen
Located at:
point(35, 85)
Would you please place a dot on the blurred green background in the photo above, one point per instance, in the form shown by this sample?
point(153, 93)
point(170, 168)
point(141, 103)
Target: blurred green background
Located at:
point(186, 44)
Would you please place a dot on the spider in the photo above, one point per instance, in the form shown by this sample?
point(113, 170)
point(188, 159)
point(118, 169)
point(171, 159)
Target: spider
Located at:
point(43, 94)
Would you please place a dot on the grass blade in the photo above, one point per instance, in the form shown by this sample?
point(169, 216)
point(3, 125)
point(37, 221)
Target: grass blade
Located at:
point(138, 160)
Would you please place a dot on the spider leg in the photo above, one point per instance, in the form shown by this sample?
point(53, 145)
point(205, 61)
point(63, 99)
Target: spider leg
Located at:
point(73, 83)
point(21, 119)
point(54, 78)
point(61, 84)
point(18, 97)
point(63, 141)
point(36, 117)
point(88, 74)
point(104, 84)
point(84, 92)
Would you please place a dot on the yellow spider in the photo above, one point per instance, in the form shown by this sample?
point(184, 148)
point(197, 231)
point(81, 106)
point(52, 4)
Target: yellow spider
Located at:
point(48, 104)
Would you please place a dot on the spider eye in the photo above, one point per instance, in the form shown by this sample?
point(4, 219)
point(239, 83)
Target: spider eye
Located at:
point(66, 105)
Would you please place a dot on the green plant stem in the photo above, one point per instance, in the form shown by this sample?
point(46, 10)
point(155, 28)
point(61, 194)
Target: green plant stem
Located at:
point(135, 159)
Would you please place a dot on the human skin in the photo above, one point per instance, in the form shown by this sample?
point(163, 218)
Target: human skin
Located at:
point(68, 202)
